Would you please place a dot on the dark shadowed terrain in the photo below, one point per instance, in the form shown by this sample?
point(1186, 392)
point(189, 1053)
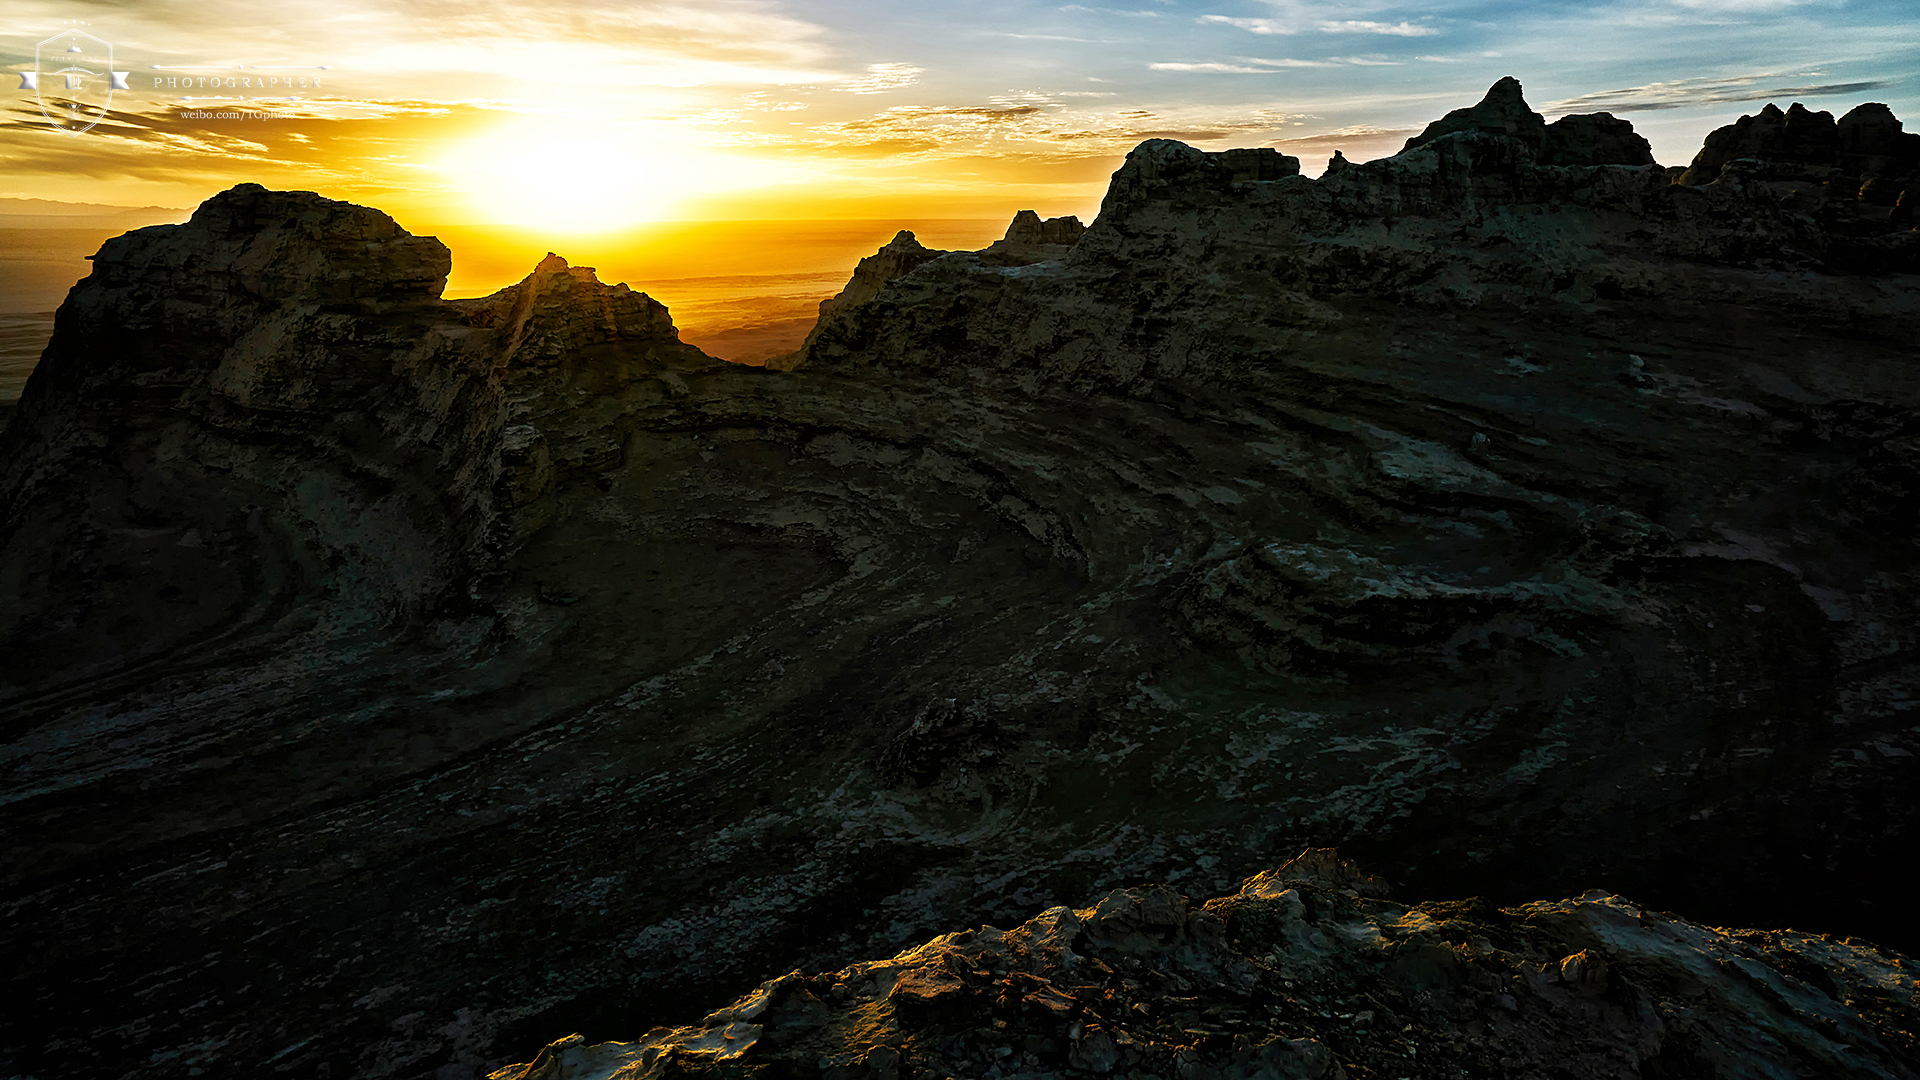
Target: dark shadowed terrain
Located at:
point(394, 685)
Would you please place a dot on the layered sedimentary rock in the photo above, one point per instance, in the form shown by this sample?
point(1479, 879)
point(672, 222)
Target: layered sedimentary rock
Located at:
point(270, 404)
point(1521, 527)
point(1310, 972)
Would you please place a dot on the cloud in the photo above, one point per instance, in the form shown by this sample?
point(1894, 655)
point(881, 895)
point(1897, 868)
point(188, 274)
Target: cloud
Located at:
point(1258, 26)
point(1687, 93)
point(1050, 37)
point(763, 101)
point(1750, 5)
point(416, 43)
point(1043, 130)
point(1359, 26)
point(880, 78)
point(1325, 26)
point(1254, 65)
point(1231, 69)
point(300, 144)
point(1347, 138)
point(1084, 10)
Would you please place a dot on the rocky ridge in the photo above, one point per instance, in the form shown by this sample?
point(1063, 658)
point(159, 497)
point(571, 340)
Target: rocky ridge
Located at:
point(1311, 972)
point(452, 675)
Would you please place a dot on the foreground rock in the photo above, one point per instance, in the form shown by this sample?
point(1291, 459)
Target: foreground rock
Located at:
point(1309, 972)
point(394, 684)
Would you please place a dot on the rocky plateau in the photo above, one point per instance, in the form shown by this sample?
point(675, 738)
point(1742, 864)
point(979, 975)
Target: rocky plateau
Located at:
point(390, 686)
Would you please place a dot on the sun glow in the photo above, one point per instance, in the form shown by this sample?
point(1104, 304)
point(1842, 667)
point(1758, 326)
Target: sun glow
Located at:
point(578, 176)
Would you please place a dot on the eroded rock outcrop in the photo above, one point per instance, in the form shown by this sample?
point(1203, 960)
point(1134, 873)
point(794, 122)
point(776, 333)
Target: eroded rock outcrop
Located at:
point(1865, 155)
point(1489, 206)
point(268, 408)
point(1580, 139)
point(1030, 240)
point(1521, 527)
point(1503, 111)
point(901, 256)
point(1309, 972)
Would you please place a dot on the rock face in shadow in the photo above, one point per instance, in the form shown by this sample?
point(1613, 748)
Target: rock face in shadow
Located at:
point(902, 255)
point(1579, 139)
point(1520, 527)
point(269, 405)
point(1310, 972)
point(1504, 111)
point(1030, 240)
point(1864, 158)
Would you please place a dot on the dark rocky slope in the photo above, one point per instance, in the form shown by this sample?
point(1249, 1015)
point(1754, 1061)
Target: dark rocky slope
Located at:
point(1309, 972)
point(392, 684)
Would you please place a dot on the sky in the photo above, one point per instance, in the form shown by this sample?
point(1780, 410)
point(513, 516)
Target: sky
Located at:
point(594, 114)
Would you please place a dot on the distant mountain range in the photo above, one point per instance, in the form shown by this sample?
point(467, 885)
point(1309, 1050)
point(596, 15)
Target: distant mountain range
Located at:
point(52, 214)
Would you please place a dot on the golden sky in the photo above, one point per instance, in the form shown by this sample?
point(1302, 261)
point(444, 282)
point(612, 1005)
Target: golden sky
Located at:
point(589, 115)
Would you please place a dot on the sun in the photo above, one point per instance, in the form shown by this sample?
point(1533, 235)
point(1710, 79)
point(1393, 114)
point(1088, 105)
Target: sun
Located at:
point(572, 175)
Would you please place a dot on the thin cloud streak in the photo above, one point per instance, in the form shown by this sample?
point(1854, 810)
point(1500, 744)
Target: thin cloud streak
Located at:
point(1688, 93)
point(1325, 26)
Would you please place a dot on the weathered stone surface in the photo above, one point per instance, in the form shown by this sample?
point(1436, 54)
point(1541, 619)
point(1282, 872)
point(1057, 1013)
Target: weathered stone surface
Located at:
point(1296, 976)
point(1521, 527)
point(901, 255)
point(1030, 240)
point(1593, 139)
point(1503, 112)
point(276, 390)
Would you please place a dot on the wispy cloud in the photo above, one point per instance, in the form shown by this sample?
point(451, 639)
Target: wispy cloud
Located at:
point(1744, 6)
point(1215, 68)
point(1685, 93)
point(880, 78)
point(1258, 26)
point(1035, 130)
point(1325, 26)
point(1049, 37)
point(1361, 26)
point(1254, 65)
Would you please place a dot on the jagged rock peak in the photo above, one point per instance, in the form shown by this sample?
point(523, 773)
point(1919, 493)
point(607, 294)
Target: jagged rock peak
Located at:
point(1864, 156)
point(1577, 139)
point(1030, 240)
point(1028, 228)
point(901, 256)
point(1594, 139)
point(1307, 973)
point(1257, 163)
point(305, 343)
point(283, 247)
point(1502, 110)
point(1160, 168)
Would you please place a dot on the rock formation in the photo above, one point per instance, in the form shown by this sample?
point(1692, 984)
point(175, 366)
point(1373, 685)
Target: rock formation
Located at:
point(395, 684)
point(1853, 174)
point(271, 402)
point(901, 256)
point(1503, 111)
point(1309, 972)
point(1580, 139)
point(1030, 240)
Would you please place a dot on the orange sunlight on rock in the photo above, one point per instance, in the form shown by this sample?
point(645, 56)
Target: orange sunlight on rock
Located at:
point(740, 290)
